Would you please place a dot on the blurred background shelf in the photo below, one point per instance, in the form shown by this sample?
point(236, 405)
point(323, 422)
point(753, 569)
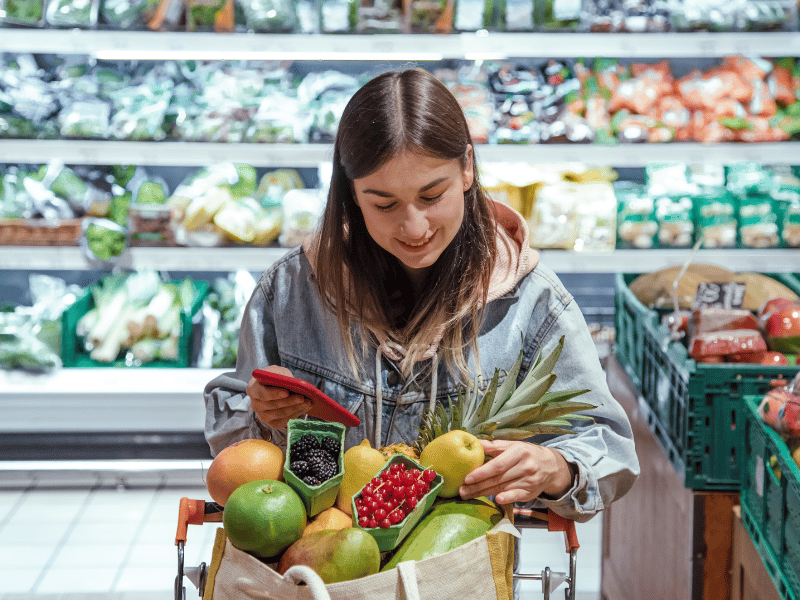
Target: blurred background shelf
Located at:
point(481, 45)
point(167, 153)
point(259, 259)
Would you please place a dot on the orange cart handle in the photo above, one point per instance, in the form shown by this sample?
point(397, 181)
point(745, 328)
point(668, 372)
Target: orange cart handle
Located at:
point(195, 512)
point(558, 523)
point(554, 523)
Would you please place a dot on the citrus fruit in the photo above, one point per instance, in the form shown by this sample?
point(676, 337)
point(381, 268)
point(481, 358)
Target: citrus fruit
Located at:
point(240, 463)
point(264, 517)
point(361, 463)
point(330, 518)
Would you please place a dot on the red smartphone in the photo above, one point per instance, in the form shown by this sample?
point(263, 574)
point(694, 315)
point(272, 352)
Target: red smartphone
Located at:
point(323, 407)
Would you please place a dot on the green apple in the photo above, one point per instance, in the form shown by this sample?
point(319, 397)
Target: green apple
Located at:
point(452, 455)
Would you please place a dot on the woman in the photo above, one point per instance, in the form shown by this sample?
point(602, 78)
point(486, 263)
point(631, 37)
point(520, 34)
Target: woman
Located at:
point(416, 283)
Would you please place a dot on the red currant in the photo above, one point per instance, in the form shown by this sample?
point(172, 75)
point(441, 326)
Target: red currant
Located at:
point(376, 481)
point(386, 523)
point(363, 511)
point(411, 502)
point(428, 475)
point(386, 474)
point(380, 513)
point(415, 473)
point(395, 468)
point(363, 522)
point(402, 466)
point(372, 523)
point(368, 490)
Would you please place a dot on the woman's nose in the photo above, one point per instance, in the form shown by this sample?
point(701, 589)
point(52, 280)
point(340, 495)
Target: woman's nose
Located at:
point(415, 223)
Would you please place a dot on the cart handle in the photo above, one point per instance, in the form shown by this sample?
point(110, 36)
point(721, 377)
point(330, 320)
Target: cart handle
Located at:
point(555, 522)
point(195, 512)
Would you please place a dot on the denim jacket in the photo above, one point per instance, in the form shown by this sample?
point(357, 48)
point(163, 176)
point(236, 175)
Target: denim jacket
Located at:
point(286, 324)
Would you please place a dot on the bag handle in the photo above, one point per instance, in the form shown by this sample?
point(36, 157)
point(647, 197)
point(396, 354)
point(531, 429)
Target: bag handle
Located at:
point(299, 574)
point(302, 574)
point(407, 570)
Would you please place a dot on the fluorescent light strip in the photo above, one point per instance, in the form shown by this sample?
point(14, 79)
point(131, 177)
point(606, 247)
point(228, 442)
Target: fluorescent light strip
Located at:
point(265, 55)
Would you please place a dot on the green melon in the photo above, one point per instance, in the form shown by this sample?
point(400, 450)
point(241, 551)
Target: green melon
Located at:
point(448, 525)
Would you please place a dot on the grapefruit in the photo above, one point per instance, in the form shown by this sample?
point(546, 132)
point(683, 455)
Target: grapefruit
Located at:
point(264, 517)
point(240, 463)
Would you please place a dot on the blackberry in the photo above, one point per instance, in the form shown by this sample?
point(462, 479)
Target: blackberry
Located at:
point(310, 480)
point(301, 447)
point(322, 464)
point(331, 444)
point(300, 468)
point(329, 469)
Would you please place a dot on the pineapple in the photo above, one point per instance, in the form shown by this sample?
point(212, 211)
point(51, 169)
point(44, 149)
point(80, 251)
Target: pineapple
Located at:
point(399, 448)
point(506, 412)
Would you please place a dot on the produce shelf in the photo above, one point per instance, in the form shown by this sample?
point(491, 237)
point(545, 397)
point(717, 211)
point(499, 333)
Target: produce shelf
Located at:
point(168, 153)
point(258, 260)
point(118, 399)
point(481, 45)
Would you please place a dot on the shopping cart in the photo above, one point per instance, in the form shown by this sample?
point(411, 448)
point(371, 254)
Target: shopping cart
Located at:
point(197, 512)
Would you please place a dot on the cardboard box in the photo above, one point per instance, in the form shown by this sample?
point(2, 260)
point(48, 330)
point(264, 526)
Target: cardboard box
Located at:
point(749, 577)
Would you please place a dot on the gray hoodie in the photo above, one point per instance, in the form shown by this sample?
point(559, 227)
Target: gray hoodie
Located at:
point(286, 324)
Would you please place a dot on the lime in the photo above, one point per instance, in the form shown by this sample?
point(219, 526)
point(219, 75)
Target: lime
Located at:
point(264, 517)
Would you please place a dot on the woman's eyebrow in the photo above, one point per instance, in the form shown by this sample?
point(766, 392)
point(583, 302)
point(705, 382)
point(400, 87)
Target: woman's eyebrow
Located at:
point(424, 188)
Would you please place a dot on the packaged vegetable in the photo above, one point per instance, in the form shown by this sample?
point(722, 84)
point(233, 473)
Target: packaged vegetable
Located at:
point(22, 12)
point(715, 215)
point(473, 15)
point(723, 343)
point(758, 223)
point(269, 16)
point(557, 15)
point(720, 319)
point(636, 218)
point(72, 13)
point(379, 16)
point(126, 14)
point(338, 16)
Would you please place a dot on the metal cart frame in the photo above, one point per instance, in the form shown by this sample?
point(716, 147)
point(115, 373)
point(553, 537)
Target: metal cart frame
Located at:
point(197, 512)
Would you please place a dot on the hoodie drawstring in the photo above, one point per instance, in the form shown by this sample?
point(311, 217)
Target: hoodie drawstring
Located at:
point(378, 399)
point(434, 381)
point(378, 435)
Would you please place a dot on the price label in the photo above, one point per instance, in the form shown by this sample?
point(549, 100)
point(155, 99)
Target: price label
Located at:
point(719, 295)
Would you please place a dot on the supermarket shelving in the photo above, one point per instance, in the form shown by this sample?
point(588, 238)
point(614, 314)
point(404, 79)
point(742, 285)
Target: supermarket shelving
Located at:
point(259, 259)
point(104, 399)
point(481, 45)
point(124, 400)
point(165, 153)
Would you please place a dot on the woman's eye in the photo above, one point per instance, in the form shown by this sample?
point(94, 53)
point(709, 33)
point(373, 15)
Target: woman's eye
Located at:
point(432, 198)
point(385, 207)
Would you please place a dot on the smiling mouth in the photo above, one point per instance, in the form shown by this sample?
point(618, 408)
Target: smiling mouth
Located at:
point(417, 244)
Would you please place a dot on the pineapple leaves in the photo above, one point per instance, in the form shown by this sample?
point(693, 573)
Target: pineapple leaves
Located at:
point(506, 390)
point(488, 398)
point(530, 391)
point(543, 367)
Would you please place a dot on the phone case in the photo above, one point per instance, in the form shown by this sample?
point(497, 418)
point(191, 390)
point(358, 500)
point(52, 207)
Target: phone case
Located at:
point(323, 407)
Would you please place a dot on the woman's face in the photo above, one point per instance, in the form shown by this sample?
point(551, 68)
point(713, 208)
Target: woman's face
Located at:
point(413, 207)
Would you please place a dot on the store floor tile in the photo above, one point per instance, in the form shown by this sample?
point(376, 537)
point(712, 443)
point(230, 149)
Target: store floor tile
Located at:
point(118, 543)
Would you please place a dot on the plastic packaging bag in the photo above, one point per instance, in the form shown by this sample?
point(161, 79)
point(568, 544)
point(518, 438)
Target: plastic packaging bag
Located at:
point(302, 210)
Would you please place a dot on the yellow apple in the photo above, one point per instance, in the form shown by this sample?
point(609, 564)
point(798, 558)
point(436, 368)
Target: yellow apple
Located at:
point(452, 455)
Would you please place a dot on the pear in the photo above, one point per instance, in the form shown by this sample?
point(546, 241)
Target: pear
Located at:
point(361, 463)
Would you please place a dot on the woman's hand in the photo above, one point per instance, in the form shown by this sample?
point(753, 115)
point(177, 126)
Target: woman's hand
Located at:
point(518, 472)
point(275, 406)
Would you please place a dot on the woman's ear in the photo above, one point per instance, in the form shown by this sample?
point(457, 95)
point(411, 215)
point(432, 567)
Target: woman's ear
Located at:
point(467, 173)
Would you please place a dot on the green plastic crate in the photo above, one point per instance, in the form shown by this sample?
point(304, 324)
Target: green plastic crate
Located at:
point(770, 510)
point(391, 537)
point(319, 497)
point(630, 316)
point(696, 410)
point(73, 353)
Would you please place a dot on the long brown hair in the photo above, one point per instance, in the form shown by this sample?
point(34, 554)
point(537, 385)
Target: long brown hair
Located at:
point(408, 110)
